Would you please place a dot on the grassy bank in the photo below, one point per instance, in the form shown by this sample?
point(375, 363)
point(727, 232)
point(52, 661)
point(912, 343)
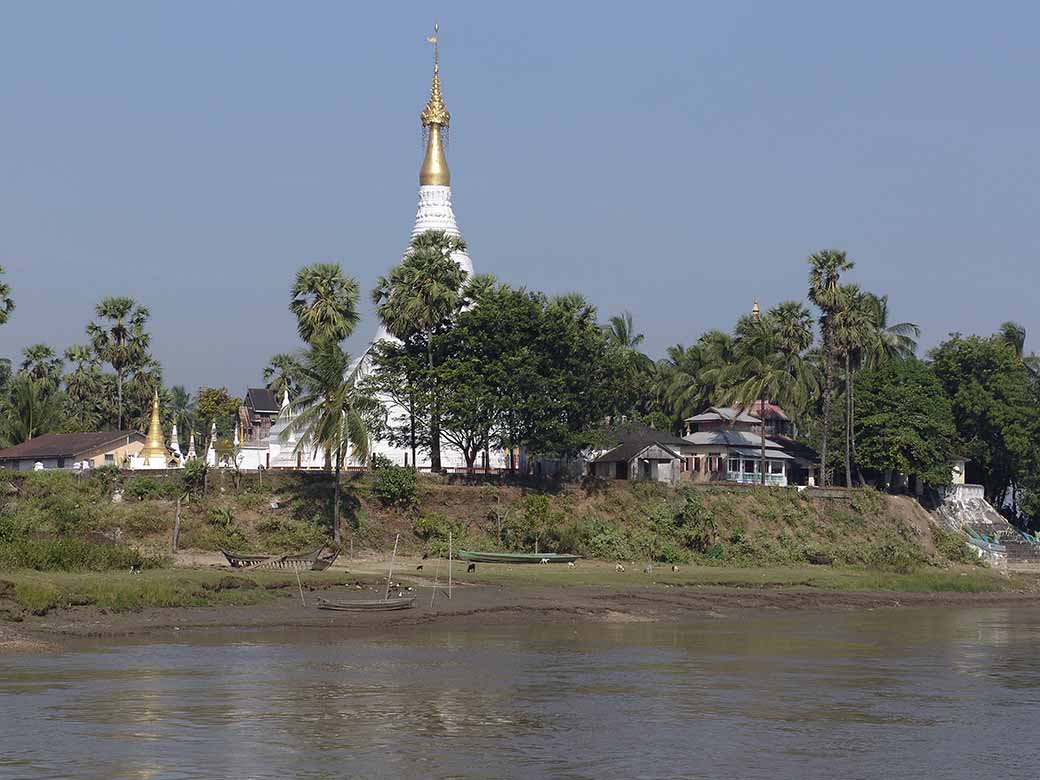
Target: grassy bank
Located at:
point(45, 518)
point(38, 592)
point(956, 579)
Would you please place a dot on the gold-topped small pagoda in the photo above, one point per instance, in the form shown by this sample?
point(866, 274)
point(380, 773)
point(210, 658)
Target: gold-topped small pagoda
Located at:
point(155, 446)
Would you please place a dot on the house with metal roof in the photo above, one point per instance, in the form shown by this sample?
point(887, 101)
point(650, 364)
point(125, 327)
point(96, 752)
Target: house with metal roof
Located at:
point(73, 451)
point(636, 459)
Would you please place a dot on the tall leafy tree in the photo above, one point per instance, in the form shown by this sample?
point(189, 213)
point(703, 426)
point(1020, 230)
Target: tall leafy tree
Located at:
point(181, 408)
point(905, 422)
point(120, 340)
point(1014, 335)
point(993, 397)
point(324, 302)
point(419, 299)
point(826, 268)
point(327, 415)
point(853, 336)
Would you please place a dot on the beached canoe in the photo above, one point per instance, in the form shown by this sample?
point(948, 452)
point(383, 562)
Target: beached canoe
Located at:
point(319, 560)
point(497, 557)
point(369, 605)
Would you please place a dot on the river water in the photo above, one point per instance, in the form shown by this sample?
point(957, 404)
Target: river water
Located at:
point(878, 694)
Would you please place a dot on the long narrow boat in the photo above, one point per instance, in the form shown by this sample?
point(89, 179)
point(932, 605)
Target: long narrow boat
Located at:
point(319, 560)
point(497, 557)
point(369, 605)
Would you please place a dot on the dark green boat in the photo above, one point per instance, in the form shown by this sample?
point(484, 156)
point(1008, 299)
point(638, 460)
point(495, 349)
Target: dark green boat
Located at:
point(497, 557)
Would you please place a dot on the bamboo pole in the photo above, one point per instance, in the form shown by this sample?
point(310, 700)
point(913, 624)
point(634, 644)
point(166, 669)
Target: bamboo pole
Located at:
point(390, 570)
point(450, 550)
point(299, 583)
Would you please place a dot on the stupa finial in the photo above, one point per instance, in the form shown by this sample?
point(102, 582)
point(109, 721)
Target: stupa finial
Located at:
point(435, 120)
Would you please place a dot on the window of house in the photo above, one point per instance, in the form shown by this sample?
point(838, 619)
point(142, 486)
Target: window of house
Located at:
point(110, 459)
point(734, 464)
point(61, 462)
point(776, 467)
point(750, 466)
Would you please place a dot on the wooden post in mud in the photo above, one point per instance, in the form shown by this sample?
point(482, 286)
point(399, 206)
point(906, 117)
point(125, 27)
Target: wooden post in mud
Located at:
point(176, 527)
point(352, 547)
point(300, 584)
point(450, 550)
point(390, 570)
point(436, 574)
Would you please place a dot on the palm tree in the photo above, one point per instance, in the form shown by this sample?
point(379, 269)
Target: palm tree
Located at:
point(120, 340)
point(762, 371)
point(325, 303)
point(792, 324)
point(181, 406)
point(6, 301)
point(327, 415)
point(856, 336)
point(42, 363)
point(418, 299)
point(826, 268)
point(81, 388)
point(33, 407)
point(283, 374)
point(1015, 335)
point(897, 341)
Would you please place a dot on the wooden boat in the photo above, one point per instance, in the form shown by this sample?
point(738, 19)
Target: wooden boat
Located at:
point(497, 557)
point(319, 560)
point(368, 605)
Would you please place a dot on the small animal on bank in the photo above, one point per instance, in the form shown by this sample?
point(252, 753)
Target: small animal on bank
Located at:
point(648, 569)
point(419, 567)
point(544, 560)
point(425, 555)
point(471, 567)
point(571, 564)
point(619, 568)
point(674, 567)
point(135, 568)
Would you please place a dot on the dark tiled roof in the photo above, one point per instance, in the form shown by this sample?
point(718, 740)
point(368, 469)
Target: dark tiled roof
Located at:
point(639, 433)
point(796, 448)
point(625, 452)
point(56, 445)
point(262, 400)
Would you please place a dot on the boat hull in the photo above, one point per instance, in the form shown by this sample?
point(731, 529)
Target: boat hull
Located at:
point(372, 605)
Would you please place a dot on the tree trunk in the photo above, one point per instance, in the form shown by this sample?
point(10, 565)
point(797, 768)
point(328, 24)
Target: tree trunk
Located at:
point(411, 425)
point(119, 401)
point(852, 434)
point(435, 419)
point(336, 535)
point(762, 437)
point(828, 379)
point(848, 422)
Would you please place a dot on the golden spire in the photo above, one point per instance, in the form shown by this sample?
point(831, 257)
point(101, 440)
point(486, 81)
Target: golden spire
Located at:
point(756, 313)
point(435, 120)
point(154, 447)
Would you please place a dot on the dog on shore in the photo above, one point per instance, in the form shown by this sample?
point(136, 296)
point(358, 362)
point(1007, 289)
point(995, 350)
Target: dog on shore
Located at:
point(619, 568)
point(472, 567)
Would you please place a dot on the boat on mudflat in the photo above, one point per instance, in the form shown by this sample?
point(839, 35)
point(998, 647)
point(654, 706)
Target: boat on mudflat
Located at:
point(319, 560)
point(500, 557)
point(369, 605)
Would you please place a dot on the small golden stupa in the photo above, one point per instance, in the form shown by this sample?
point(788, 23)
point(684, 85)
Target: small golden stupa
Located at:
point(154, 446)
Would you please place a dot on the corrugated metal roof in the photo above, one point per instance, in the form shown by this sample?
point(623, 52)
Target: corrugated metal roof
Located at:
point(60, 445)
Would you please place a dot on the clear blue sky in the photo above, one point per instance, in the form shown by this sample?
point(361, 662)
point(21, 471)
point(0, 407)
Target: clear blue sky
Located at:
point(675, 160)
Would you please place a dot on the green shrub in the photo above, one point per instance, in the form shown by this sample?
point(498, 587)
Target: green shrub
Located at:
point(68, 555)
point(105, 479)
point(277, 533)
point(143, 488)
point(868, 501)
point(193, 475)
point(894, 556)
point(954, 547)
point(396, 486)
point(433, 529)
